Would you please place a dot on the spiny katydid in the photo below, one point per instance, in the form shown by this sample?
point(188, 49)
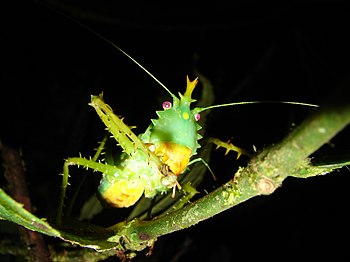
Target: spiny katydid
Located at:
point(150, 162)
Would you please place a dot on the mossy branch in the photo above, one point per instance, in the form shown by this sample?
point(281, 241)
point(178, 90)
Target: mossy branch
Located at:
point(265, 172)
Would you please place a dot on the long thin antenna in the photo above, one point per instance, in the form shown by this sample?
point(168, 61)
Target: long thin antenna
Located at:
point(151, 75)
point(254, 102)
point(110, 43)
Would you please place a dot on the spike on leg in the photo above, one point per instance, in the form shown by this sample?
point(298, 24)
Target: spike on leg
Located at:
point(230, 147)
point(80, 162)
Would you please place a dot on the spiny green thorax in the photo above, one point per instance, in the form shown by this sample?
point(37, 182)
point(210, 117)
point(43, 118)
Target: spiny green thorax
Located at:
point(177, 123)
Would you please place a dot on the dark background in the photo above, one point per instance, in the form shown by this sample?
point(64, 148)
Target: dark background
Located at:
point(250, 50)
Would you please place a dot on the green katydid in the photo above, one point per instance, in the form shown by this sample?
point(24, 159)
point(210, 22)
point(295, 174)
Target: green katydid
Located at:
point(151, 162)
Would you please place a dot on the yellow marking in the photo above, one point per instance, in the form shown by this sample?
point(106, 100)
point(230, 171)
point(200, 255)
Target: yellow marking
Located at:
point(123, 193)
point(185, 115)
point(174, 155)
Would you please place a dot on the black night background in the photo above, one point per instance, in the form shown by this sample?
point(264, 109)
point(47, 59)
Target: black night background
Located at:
point(249, 50)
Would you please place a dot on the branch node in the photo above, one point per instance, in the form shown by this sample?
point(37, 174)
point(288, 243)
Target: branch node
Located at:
point(265, 186)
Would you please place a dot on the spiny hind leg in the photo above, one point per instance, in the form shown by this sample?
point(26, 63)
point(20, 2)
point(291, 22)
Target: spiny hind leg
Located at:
point(230, 147)
point(120, 131)
point(80, 162)
point(99, 151)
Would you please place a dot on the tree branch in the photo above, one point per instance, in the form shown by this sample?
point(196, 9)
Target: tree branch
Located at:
point(265, 172)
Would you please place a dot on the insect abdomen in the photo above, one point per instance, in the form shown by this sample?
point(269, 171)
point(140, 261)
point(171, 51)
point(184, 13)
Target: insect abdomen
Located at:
point(137, 176)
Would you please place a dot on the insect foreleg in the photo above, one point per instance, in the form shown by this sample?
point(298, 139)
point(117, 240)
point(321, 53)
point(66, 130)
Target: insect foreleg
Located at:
point(88, 164)
point(230, 147)
point(204, 163)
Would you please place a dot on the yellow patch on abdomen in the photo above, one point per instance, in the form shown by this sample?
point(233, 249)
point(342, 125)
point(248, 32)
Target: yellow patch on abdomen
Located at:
point(124, 193)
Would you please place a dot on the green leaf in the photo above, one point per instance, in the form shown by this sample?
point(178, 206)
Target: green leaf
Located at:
point(13, 211)
point(82, 234)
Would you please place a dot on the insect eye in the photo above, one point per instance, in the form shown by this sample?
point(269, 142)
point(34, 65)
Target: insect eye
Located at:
point(197, 117)
point(166, 105)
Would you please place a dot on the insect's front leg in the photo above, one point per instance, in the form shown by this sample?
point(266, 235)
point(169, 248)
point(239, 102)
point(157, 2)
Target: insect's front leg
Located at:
point(230, 147)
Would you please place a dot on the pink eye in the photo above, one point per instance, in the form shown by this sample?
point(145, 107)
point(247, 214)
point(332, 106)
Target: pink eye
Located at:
point(197, 117)
point(166, 105)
